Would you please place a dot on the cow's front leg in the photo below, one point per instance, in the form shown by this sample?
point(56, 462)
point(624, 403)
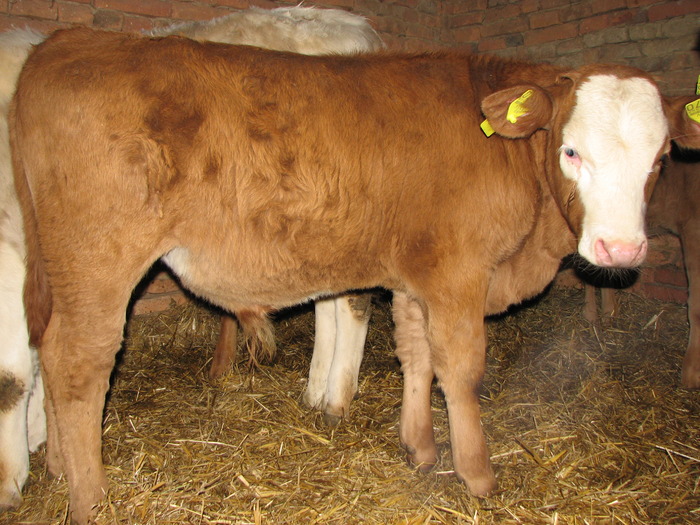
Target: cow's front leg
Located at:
point(412, 349)
point(352, 320)
point(77, 367)
point(690, 240)
point(458, 349)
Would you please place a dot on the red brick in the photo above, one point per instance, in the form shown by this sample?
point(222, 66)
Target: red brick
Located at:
point(529, 6)
point(665, 293)
point(139, 24)
point(550, 4)
point(672, 276)
point(159, 303)
point(574, 13)
point(673, 9)
point(596, 23)
point(183, 11)
point(467, 34)
point(343, 4)
point(162, 283)
point(543, 19)
point(502, 13)
point(567, 279)
point(550, 34)
point(106, 19)
point(603, 6)
point(468, 7)
point(35, 8)
point(642, 3)
point(139, 7)
point(504, 27)
point(465, 19)
point(491, 44)
point(236, 4)
point(75, 13)
point(419, 31)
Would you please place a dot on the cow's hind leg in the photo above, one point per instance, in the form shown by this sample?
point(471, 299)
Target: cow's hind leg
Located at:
point(77, 359)
point(352, 321)
point(413, 350)
point(226, 347)
point(322, 357)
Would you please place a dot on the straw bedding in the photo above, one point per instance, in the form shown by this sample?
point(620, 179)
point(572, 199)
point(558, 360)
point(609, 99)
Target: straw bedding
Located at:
point(586, 424)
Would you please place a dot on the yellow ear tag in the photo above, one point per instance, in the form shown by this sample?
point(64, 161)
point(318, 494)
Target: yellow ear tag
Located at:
point(517, 108)
point(697, 86)
point(486, 128)
point(693, 110)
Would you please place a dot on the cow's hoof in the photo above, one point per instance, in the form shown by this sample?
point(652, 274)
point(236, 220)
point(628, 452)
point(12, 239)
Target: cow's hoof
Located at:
point(690, 376)
point(482, 487)
point(331, 420)
point(423, 461)
point(9, 499)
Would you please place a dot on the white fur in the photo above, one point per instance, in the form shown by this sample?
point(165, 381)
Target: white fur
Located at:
point(618, 128)
point(338, 350)
point(23, 426)
point(298, 29)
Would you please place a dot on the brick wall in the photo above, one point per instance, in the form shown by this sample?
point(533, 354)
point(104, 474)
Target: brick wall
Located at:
point(661, 37)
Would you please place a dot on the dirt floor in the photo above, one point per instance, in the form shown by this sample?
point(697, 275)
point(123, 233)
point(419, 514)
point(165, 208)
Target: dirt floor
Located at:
point(586, 424)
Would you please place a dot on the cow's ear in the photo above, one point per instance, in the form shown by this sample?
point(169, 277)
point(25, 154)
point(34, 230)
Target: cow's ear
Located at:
point(518, 111)
point(683, 114)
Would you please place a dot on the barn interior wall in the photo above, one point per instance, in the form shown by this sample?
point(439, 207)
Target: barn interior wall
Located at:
point(659, 36)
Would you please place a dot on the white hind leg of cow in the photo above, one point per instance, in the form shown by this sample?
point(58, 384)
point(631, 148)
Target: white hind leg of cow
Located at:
point(341, 330)
point(22, 421)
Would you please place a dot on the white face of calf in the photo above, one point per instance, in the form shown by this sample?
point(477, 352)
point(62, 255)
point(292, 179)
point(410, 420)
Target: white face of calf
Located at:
point(611, 145)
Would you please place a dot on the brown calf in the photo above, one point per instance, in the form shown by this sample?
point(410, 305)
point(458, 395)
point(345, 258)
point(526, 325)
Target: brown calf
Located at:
point(265, 178)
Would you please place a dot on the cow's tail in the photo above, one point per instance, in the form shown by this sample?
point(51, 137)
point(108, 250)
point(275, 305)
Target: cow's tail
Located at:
point(37, 292)
point(258, 335)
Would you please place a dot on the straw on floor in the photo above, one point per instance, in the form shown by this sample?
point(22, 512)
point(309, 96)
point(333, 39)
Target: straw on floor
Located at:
point(586, 424)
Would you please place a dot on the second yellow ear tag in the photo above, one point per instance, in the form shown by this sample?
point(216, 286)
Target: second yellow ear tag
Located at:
point(517, 108)
point(693, 110)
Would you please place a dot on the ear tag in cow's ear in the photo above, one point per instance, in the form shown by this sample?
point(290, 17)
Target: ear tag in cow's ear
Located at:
point(697, 86)
point(517, 108)
point(487, 128)
point(693, 110)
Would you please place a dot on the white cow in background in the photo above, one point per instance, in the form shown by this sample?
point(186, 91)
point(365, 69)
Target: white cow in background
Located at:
point(22, 420)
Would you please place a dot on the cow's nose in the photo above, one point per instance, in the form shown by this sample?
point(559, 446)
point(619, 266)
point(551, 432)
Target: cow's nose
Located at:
point(620, 254)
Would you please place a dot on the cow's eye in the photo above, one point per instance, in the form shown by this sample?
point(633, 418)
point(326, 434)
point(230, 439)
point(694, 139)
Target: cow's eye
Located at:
point(570, 152)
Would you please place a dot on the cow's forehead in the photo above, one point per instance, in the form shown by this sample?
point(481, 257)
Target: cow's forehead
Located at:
point(612, 112)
